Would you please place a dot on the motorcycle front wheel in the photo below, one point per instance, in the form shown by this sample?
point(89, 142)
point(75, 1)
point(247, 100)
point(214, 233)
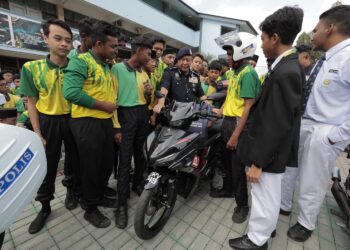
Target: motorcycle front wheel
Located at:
point(154, 209)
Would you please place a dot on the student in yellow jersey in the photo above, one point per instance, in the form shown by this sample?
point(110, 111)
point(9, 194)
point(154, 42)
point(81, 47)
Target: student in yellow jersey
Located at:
point(12, 101)
point(243, 89)
point(89, 86)
point(41, 81)
point(134, 89)
point(158, 45)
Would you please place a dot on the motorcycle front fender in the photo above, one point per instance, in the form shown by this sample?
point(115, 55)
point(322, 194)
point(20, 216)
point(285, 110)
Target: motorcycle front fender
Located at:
point(152, 180)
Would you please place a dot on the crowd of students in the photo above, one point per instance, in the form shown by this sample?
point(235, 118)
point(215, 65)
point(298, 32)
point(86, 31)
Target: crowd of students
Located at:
point(102, 106)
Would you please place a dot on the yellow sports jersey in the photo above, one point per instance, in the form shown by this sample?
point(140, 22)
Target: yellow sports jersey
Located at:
point(88, 79)
point(243, 84)
point(14, 102)
point(43, 79)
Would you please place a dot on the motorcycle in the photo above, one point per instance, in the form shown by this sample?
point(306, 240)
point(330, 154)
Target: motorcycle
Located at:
point(342, 195)
point(180, 154)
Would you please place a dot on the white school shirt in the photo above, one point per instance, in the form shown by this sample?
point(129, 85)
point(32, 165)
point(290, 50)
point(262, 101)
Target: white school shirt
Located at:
point(329, 100)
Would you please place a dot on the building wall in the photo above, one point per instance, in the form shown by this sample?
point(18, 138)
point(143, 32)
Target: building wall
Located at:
point(139, 12)
point(211, 29)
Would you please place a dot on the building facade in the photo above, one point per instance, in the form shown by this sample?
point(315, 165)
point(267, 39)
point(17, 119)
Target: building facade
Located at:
point(173, 20)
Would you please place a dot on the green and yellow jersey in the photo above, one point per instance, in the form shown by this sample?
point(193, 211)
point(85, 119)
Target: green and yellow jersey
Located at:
point(243, 84)
point(157, 75)
point(208, 88)
point(87, 79)
point(73, 53)
point(43, 79)
point(130, 85)
point(23, 117)
point(228, 75)
point(14, 102)
point(262, 78)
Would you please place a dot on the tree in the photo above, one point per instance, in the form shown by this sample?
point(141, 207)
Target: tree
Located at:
point(305, 38)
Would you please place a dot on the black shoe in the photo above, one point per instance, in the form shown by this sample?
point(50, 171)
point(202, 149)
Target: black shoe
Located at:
point(82, 204)
point(71, 200)
point(107, 202)
point(299, 233)
point(110, 192)
point(244, 243)
point(273, 234)
point(284, 212)
point(97, 219)
point(221, 193)
point(240, 214)
point(121, 217)
point(39, 222)
point(137, 189)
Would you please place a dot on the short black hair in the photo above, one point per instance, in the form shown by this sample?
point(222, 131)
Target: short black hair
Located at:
point(5, 72)
point(303, 48)
point(140, 42)
point(101, 30)
point(85, 25)
point(158, 40)
point(198, 55)
point(223, 62)
point(255, 58)
point(46, 26)
point(16, 76)
point(285, 22)
point(215, 65)
point(340, 16)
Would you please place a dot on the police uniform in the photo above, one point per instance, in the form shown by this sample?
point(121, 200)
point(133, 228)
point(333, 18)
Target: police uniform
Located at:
point(182, 87)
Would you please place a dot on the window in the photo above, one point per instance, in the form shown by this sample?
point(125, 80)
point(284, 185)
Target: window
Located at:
point(48, 10)
point(72, 18)
point(225, 29)
point(4, 4)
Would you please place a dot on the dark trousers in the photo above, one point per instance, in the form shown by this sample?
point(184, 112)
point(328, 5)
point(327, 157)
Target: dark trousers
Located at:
point(55, 129)
point(94, 139)
point(2, 237)
point(235, 179)
point(134, 123)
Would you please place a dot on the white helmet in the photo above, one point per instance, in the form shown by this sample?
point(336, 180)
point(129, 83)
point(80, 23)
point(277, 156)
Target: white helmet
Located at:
point(243, 44)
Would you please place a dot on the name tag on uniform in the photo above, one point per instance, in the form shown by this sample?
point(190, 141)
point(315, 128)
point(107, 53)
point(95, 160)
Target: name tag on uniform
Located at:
point(335, 71)
point(193, 80)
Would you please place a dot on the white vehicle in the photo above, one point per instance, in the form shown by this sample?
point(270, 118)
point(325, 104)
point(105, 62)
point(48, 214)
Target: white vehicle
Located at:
point(22, 170)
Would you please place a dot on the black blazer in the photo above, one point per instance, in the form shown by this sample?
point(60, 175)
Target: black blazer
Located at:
point(271, 136)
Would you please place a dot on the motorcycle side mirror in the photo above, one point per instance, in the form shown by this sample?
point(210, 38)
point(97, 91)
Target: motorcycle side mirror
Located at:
point(159, 94)
point(219, 96)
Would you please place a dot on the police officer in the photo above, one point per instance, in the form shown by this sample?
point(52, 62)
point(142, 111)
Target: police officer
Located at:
point(180, 83)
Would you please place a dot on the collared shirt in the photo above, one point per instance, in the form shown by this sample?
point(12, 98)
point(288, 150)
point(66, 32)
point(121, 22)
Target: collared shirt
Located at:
point(279, 58)
point(182, 87)
point(329, 101)
point(43, 79)
point(130, 85)
point(87, 79)
point(243, 84)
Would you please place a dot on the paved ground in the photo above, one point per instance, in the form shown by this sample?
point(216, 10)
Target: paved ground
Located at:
point(199, 223)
